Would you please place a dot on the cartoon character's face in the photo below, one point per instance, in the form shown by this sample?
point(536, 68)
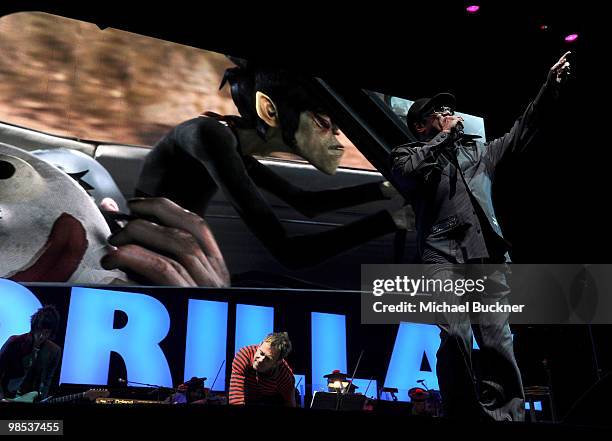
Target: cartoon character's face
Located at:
point(50, 229)
point(317, 142)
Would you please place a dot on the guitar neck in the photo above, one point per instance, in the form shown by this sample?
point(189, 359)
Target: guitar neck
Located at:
point(66, 398)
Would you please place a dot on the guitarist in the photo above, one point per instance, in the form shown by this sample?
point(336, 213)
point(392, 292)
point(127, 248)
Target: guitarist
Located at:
point(28, 362)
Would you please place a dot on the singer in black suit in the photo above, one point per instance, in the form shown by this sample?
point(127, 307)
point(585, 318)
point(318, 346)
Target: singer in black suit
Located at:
point(447, 175)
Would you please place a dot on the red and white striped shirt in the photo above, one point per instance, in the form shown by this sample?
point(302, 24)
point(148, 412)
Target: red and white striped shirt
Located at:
point(247, 386)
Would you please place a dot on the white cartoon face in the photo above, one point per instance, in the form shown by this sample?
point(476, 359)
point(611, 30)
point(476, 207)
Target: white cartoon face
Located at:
point(50, 228)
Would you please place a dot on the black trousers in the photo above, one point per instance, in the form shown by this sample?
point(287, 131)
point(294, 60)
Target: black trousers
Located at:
point(497, 393)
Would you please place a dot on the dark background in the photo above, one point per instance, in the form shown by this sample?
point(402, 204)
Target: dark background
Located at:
point(552, 204)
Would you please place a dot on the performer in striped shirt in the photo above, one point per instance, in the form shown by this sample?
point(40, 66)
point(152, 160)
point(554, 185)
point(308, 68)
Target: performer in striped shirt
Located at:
point(260, 374)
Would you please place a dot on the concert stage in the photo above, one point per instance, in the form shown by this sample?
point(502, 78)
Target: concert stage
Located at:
point(116, 420)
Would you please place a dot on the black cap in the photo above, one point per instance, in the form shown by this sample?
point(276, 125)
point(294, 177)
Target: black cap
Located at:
point(336, 375)
point(195, 383)
point(423, 106)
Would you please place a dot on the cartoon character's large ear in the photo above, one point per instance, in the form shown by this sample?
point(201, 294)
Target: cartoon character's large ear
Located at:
point(266, 109)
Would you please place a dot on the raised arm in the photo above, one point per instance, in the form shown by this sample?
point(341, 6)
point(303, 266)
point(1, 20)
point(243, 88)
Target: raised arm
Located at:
point(530, 122)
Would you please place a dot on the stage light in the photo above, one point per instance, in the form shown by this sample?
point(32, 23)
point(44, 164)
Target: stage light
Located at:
point(472, 9)
point(571, 38)
point(253, 324)
point(543, 27)
point(412, 342)
point(17, 305)
point(91, 337)
point(206, 340)
point(328, 346)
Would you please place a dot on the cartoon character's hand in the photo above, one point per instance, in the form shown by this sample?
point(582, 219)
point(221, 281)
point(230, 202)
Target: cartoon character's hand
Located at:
point(167, 245)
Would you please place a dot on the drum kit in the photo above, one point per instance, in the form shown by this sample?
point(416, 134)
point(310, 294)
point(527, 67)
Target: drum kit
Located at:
point(425, 402)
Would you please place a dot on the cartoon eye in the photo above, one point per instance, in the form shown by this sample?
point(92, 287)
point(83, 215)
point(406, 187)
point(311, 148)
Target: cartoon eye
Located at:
point(19, 181)
point(322, 121)
point(7, 170)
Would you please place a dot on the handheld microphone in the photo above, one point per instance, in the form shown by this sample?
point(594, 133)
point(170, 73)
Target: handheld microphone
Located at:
point(459, 129)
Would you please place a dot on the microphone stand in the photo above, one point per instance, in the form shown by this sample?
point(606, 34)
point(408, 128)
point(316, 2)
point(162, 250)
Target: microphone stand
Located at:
point(217, 376)
point(348, 387)
point(585, 283)
point(156, 387)
point(598, 370)
point(423, 383)
point(298, 391)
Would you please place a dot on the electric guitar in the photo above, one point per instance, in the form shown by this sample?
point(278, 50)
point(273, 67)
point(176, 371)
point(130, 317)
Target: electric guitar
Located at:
point(90, 395)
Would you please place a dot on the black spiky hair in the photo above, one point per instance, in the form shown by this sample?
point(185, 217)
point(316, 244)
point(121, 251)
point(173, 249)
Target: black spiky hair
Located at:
point(288, 90)
point(46, 317)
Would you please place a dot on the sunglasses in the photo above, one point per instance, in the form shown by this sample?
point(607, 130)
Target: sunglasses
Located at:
point(442, 109)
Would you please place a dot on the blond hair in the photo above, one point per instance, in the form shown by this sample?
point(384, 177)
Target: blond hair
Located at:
point(280, 342)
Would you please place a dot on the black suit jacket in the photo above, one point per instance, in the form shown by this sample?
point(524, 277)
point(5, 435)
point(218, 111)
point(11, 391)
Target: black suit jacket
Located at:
point(449, 180)
point(22, 373)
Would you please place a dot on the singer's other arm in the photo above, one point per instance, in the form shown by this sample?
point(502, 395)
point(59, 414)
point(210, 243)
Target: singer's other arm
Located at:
point(418, 162)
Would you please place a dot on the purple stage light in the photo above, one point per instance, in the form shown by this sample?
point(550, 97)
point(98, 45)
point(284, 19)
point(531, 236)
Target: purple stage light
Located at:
point(571, 37)
point(472, 9)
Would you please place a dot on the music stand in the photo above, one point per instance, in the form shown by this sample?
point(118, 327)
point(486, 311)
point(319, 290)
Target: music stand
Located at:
point(336, 401)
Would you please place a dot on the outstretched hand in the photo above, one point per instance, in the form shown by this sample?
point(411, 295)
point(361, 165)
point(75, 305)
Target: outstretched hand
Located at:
point(561, 69)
